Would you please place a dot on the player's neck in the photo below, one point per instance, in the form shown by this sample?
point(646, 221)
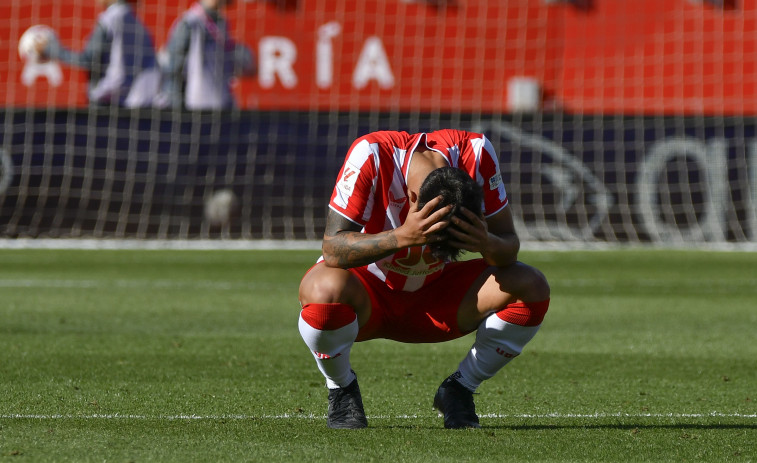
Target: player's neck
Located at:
point(421, 164)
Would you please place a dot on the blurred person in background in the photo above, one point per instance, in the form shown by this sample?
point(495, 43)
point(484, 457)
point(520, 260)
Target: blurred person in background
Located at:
point(403, 209)
point(202, 60)
point(119, 55)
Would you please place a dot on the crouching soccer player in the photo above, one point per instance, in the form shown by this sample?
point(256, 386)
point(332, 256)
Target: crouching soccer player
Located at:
point(403, 208)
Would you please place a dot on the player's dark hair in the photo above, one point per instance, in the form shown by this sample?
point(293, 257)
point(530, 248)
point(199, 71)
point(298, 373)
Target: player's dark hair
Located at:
point(457, 188)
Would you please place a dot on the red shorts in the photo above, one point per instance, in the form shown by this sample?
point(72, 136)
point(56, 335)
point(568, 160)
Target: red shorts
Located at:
point(426, 315)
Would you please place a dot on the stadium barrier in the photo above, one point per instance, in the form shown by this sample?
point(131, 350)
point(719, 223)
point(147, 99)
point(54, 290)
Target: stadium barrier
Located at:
point(113, 173)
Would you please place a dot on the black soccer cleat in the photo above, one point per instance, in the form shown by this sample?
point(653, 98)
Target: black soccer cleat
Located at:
point(455, 401)
point(346, 408)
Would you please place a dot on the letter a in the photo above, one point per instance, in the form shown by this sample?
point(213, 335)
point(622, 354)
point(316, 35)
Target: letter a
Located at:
point(373, 64)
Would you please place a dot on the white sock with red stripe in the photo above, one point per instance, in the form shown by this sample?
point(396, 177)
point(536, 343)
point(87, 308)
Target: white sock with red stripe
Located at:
point(499, 340)
point(329, 330)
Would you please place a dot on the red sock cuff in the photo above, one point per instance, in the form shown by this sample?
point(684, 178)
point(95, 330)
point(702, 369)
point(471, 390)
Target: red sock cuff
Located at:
point(524, 313)
point(328, 316)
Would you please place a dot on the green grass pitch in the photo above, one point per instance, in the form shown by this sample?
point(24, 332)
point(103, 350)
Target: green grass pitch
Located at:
point(645, 355)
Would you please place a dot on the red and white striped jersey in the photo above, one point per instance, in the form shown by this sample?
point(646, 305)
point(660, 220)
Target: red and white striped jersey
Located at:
point(371, 191)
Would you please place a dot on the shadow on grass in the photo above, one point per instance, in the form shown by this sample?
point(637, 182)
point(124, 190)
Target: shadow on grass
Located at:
point(544, 427)
point(701, 426)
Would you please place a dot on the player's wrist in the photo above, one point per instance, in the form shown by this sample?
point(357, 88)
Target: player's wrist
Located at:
point(501, 251)
point(399, 239)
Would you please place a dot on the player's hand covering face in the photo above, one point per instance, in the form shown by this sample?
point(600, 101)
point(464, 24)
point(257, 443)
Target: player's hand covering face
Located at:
point(424, 224)
point(467, 230)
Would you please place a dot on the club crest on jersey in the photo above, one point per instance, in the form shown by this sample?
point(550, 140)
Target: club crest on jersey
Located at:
point(417, 261)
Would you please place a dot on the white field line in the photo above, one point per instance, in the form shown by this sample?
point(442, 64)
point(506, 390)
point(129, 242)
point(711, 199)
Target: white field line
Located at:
point(118, 416)
point(95, 284)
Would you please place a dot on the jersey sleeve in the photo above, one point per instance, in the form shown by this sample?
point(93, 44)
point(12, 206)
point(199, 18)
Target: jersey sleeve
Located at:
point(495, 196)
point(354, 192)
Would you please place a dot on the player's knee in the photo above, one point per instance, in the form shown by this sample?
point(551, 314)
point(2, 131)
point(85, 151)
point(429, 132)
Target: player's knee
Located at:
point(524, 282)
point(329, 286)
point(537, 286)
point(322, 291)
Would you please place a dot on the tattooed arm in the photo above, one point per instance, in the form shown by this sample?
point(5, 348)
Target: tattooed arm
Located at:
point(344, 246)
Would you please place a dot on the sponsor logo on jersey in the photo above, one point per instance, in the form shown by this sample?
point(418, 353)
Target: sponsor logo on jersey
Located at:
point(410, 272)
point(495, 181)
point(399, 203)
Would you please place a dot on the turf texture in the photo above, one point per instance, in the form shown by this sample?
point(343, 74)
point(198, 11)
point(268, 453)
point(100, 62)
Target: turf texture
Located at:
point(645, 355)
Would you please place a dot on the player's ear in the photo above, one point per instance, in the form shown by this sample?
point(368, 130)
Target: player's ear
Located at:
point(413, 200)
point(412, 196)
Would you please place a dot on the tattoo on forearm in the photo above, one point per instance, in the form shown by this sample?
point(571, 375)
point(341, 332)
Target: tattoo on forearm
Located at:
point(354, 249)
point(345, 246)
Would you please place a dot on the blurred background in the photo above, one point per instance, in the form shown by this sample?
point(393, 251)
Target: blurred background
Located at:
point(615, 121)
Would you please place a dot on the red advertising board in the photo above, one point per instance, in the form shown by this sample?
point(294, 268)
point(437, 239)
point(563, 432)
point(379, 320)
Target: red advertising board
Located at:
point(670, 56)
